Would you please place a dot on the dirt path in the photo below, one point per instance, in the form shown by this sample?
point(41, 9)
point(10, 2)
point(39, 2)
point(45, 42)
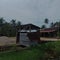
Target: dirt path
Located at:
point(7, 40)
point(49, 39)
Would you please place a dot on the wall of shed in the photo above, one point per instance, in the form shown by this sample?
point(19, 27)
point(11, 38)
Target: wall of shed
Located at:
point(24, 40)
point(27, 40)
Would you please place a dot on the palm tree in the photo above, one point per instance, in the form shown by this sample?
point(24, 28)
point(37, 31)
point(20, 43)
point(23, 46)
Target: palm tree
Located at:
point(46, 21)
point(43, 26)
point(52, 25)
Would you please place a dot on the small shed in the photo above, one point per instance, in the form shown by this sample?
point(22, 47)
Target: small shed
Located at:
point(28, 35)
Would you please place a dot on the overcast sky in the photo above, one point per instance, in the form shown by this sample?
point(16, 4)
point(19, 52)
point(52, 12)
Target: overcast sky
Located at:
point(30, 11)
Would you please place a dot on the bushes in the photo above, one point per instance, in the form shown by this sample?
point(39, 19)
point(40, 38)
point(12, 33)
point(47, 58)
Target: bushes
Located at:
point(51, 50)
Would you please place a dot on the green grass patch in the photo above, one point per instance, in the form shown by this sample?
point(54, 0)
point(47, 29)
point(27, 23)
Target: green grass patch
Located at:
point(21, 55)
point(41, 52)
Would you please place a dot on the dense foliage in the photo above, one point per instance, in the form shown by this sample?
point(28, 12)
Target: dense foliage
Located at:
point(8, 28)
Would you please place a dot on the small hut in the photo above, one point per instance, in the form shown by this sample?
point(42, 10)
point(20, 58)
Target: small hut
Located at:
point(28, 35)
point(49, 32)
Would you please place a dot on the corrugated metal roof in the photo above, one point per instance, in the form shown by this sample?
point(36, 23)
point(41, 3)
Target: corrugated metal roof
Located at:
point(48, 30)
point(29, 26)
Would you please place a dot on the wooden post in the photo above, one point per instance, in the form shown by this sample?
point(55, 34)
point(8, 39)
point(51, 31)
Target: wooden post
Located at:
point(29, 28)
point(17, 36)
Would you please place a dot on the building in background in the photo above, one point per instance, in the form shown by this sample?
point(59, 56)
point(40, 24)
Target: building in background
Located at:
point(53, 32)
point(48, 32)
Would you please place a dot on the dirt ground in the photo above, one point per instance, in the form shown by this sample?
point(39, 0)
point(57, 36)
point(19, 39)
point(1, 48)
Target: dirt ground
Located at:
point(12, 40)
point(7, 40)
point(49, 39)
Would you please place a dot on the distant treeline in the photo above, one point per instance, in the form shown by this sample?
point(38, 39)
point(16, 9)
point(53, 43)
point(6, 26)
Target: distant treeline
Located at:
point(50, 24)
point(9, 28)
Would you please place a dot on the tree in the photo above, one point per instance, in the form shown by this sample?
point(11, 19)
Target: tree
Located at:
point(13, 27)
point(46, 21)
point(8, 28)
point(57, 24)
point(52, 25)
point(43, 26)
point(1, 21)
point(13, 23)
point(18, 23)
point(1, 24)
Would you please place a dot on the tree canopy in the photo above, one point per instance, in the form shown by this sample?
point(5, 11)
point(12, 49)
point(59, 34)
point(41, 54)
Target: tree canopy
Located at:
point(8, 28)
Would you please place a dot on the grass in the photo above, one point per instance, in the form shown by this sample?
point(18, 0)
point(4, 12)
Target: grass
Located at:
point(20, 55)
point(41, 52)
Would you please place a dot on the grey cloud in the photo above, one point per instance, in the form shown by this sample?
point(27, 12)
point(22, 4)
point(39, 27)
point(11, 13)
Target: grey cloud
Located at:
point(28, 11)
